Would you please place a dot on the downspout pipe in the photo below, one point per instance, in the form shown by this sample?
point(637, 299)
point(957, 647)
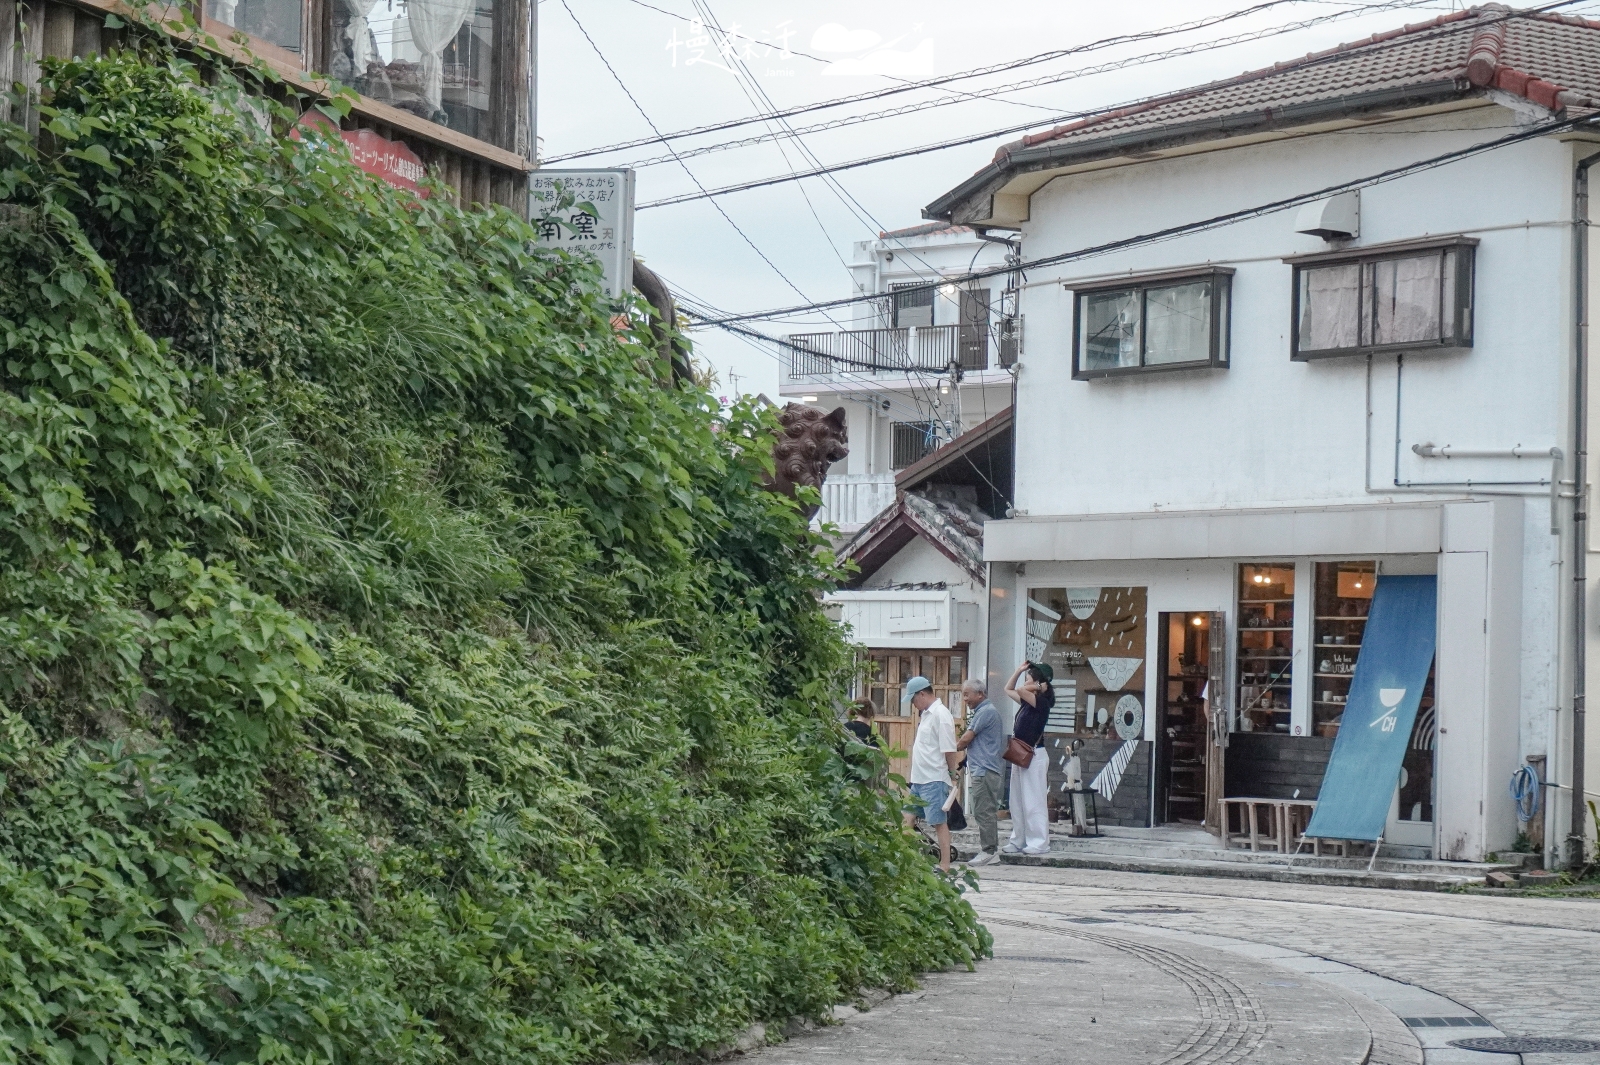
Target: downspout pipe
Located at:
point(1580, 505)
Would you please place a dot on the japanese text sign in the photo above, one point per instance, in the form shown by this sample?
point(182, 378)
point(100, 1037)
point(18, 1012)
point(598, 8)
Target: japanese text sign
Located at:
point(598, 221)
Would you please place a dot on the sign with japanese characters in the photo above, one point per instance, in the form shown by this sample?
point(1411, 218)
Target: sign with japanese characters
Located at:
point(589, 212)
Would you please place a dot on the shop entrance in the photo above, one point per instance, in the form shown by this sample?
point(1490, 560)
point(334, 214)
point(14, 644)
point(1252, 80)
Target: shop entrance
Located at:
point(1183, 747)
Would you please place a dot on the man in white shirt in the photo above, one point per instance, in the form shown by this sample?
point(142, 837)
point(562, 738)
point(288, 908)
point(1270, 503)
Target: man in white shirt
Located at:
point(933, 761)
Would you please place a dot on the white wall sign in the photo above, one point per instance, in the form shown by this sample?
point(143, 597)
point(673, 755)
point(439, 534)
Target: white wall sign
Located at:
point(598, 222)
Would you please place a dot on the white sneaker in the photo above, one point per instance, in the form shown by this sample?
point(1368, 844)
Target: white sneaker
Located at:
point(1035, 852)
point(1011, 848)
point(984, 858)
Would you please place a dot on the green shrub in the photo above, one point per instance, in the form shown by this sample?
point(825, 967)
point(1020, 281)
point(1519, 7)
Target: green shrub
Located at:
point(391, 670)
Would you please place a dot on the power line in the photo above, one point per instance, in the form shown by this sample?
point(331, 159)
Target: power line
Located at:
point(649, 122)
point(1043, 57)
point(1032, 83)
point(825, 62)
point(871, 160)
point(1243, 79)
point(755, 90)
point(1194, 227)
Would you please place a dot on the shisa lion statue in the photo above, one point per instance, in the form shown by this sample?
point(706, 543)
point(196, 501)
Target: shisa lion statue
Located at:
point(809, 441)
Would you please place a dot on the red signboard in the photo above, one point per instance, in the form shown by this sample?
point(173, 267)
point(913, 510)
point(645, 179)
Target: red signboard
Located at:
point(387, 160)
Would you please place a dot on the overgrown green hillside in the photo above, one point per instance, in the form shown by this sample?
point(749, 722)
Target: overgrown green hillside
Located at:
point(391, 670)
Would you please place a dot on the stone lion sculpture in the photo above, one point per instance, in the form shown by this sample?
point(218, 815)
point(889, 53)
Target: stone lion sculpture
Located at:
point(808, 443)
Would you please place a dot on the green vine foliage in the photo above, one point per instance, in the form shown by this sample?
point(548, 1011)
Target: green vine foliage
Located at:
point(391, 669)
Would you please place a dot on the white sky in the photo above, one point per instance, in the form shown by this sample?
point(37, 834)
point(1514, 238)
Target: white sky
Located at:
point(698, 251)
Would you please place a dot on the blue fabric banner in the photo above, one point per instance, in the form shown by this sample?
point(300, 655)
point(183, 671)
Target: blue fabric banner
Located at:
point(1391, 670)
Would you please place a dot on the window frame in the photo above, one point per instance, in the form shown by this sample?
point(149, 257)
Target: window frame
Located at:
point(929, 431)
point(912, 288)
point(1221, 278)
point(1464, 309)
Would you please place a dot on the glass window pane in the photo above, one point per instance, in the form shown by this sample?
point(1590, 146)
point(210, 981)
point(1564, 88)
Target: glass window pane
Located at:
point(1109, 337)
point(1177, 323)
point(1225, 321)
point(1406, 299)
point(914, 307)
point(1448, 295)
point(1330, 307)
point(429, 57)
point(279, 22)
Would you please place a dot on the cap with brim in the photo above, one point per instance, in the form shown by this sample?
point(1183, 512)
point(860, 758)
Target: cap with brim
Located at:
point(913, 686)
point(1044, 672)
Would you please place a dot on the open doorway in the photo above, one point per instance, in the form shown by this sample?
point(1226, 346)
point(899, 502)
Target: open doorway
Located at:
point(1181, 738)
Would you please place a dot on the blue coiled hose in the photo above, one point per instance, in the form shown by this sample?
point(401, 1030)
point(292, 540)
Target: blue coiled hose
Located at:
point(1525, 791)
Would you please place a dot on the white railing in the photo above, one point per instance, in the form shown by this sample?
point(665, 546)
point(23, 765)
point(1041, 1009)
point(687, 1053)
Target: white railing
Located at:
point(851, 500)
point(891, 352)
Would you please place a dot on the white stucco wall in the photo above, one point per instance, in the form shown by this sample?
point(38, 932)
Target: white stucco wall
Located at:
point(1269, 432)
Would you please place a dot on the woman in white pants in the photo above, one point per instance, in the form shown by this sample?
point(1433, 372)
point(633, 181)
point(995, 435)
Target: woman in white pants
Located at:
point(1030, 814)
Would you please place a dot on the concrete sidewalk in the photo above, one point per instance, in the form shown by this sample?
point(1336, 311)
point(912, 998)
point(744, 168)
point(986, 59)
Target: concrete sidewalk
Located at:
point(1192, 851)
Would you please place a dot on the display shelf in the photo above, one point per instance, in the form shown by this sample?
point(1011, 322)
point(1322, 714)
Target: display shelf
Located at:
point(1339, 617)
point(1341, 646)
point(1266, 628)
point(1258, 602)
point(1334, 676)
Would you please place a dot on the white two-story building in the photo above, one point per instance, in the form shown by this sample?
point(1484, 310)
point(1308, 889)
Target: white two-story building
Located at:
point(1291, 334)
point(915, 367)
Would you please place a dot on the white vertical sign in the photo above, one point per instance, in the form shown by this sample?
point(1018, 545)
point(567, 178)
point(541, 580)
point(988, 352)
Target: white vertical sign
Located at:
point(598, 221)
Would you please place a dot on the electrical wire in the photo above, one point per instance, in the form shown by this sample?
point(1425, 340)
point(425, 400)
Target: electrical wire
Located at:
point(1213, 222)
point(989, 135)
point(976, 72)
point(758, 97)
point(871, 160)
point(1052, 79)
point(649, 122)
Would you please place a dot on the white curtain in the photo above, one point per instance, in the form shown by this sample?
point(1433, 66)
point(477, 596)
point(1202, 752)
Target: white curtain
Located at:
point(1330, 308)
point(1407, 294)
point(1177, 322)
point(360, 32)
point(434, 24)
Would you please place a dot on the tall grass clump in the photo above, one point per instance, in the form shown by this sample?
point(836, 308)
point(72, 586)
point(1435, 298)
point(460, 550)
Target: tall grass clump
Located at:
point(391, 668)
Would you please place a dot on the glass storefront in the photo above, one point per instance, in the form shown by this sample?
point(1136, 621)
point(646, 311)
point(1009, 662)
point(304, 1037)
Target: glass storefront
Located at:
point(1266, 647)
point(429, 57)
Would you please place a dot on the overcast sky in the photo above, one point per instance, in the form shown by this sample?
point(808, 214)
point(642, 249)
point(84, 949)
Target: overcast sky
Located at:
point(680, 75)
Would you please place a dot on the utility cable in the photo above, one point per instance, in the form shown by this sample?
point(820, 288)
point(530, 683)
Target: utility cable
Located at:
point(758, 97)
point(977, 72)
point(989, 135)
point(1213, 222)
point(651, 123)
point(1050, 79)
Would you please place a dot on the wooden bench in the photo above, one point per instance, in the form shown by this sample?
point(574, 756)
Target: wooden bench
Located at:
point(1285, 822)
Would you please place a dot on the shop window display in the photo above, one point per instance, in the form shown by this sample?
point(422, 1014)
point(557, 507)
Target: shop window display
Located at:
point(1344, 595)
point(1266, 647)
point(1094, 641)
point(429, 57)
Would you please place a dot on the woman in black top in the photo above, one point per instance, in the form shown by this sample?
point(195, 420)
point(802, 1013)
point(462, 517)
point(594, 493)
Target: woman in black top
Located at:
point(862, 711)
point(1030, 814)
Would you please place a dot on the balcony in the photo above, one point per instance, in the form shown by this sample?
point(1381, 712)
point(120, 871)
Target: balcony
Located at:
point(877, 353)
point(851, 500)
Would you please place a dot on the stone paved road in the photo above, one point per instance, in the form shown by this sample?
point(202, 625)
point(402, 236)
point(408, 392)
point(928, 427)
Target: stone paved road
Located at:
point(1131, 968)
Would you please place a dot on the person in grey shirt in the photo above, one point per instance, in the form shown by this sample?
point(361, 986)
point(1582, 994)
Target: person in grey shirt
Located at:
point(983, 741)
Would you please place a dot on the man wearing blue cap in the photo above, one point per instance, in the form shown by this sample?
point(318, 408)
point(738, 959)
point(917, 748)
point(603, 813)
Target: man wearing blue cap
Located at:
point(933, 761)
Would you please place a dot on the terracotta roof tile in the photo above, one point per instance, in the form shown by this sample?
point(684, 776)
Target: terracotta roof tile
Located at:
point(1553, 60)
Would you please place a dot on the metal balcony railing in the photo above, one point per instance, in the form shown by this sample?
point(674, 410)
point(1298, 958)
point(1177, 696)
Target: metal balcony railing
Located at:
point(920, 349)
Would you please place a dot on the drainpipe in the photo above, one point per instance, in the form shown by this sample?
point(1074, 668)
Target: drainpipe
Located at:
point(1580, 507)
